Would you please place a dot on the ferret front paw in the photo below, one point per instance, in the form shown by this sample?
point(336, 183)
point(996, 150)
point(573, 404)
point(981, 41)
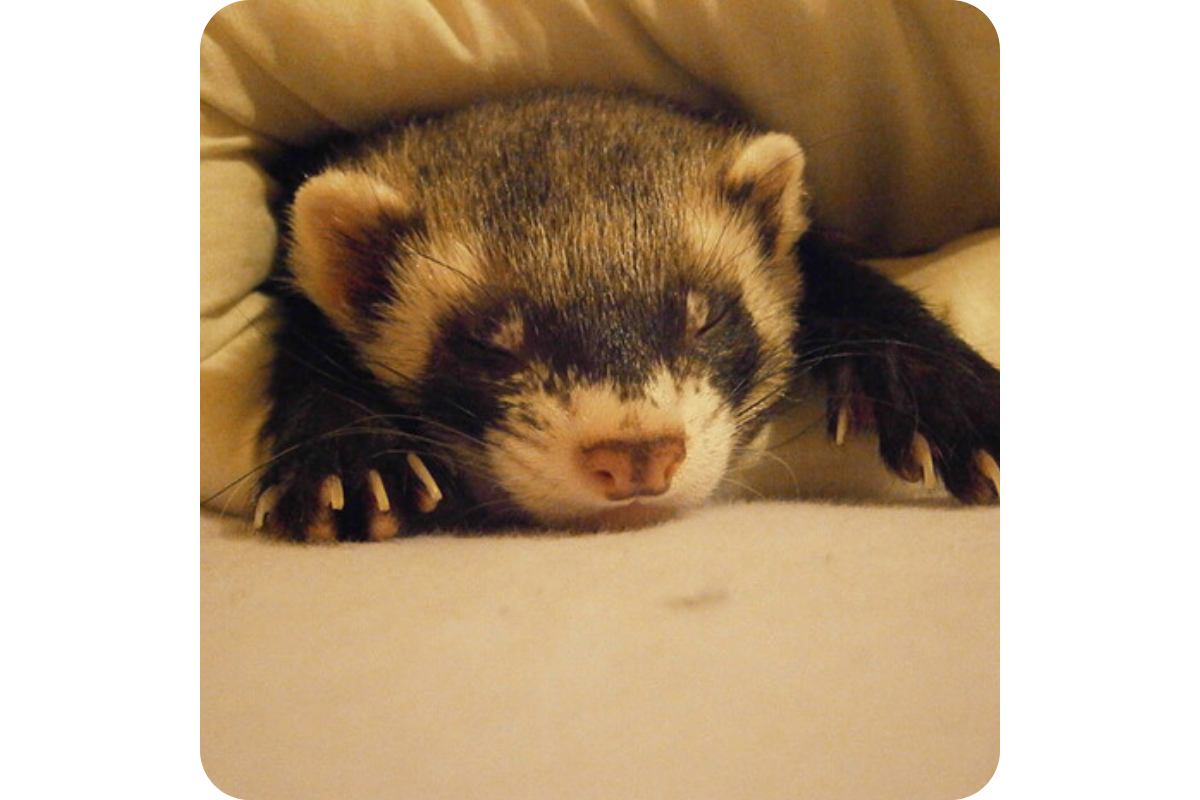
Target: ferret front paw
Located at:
point(937, 415)
point(319, 500)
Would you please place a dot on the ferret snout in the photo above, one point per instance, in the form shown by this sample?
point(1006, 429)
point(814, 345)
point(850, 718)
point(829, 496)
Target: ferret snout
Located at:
point(620, 469)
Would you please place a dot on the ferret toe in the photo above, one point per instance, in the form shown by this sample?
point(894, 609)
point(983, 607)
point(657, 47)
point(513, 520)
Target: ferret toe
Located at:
point(988, 467)
point(913, 463)
point(976, 479)
point(265, 505)
point(428, 494)
point(383, 526)
point(322, 529)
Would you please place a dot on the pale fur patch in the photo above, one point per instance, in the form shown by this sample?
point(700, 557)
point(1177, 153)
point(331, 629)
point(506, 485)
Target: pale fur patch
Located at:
point(429, 280)
point(429, 274)
point(328, 209)
point(727, 241)
point(773, 164)
point(510, 335)
point(698, 312)
point(538, 463)
point(770, 286)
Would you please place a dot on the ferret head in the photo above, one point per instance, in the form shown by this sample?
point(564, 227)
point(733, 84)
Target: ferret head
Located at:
point(591, 304)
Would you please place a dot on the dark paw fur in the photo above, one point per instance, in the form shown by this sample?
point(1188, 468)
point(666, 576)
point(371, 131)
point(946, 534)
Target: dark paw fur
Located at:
point(342, 492)
point(937, 414)
point(890, 365)
point(340, 466)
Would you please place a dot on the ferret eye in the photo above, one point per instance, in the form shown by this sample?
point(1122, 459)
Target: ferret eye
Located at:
point(486, 354)
point(704, 314)
point(500, 347)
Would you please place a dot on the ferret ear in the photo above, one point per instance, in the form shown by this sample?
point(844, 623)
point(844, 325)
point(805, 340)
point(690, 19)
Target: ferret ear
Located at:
point(766, 179)
point(345, 229)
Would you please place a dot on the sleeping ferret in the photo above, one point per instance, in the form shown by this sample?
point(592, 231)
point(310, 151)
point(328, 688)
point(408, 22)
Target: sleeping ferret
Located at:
point(579, 310)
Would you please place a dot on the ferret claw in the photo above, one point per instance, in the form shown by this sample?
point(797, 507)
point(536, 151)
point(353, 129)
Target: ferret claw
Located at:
point(843, 424)
point(266, 504)
point(428, 495)
point(378, 492)
point(989, 468)
point(383, 525)
point(924, 456)
point(332, 497)
point(326, 521)
point(332, 494)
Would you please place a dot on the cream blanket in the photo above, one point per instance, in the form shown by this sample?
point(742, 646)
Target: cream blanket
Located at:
point(749, 650)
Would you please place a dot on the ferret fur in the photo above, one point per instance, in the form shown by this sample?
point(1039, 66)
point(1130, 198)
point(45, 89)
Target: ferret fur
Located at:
point(577, 308)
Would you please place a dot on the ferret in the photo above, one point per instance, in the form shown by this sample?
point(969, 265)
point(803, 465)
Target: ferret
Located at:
point(578, 310)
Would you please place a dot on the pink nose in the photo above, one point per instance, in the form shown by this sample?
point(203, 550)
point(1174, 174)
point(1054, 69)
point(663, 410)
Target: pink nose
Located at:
point(620, 469)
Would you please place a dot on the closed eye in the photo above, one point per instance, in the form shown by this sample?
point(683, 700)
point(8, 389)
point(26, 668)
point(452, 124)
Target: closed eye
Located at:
point(705, 313)
point(485, 350)
point(715, 317)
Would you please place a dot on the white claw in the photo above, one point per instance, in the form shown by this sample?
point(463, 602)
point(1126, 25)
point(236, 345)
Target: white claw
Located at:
point(924, 456)
point(428, 499)
point(843, 424)
point(377, 490)
point(332, 494)
point(383, 525)
point(266, 504)
point(988, 466)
